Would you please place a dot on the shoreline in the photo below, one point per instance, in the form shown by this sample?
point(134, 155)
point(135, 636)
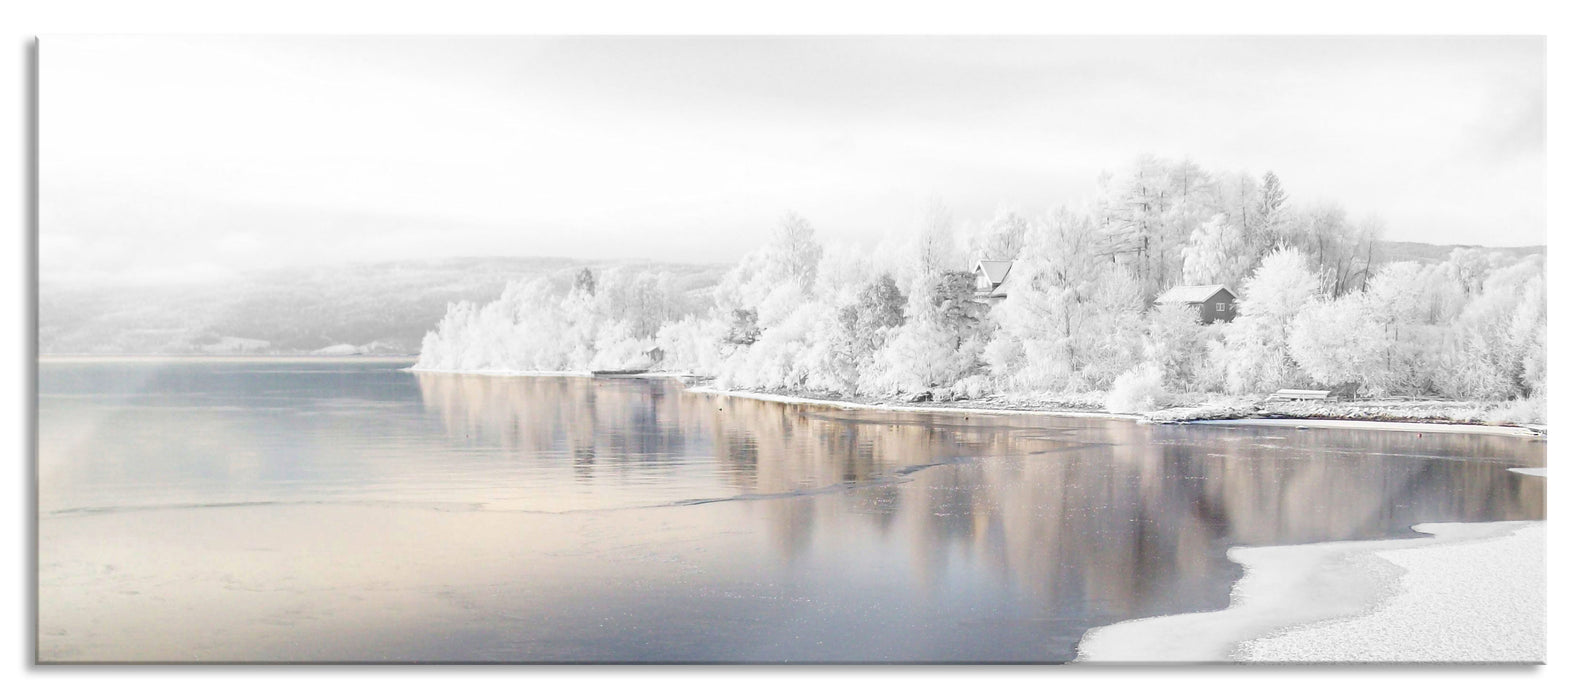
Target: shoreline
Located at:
point(907, 407)
point(1214, 416)
point(1468, 592)
point(503, 372)
point(1296, 423)
point(966, 408)
point(553, 373)
point(1395, 425)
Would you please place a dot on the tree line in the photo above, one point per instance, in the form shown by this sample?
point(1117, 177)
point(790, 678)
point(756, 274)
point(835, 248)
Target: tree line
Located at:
point(1315, 307)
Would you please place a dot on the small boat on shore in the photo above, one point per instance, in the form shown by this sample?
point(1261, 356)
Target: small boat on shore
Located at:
point(619, 372)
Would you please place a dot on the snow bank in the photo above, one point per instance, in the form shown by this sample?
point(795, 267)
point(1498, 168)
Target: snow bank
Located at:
point(1350, 413)
point(1205, 412)
point(1479, 600)
point(1224, 414)
point(1472, 592)
point(908, 407)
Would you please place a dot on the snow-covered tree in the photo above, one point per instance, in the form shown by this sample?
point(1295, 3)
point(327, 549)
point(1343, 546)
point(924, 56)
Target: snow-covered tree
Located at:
point(1002, 237)
point(1256, 342)
point(1271, 227)
point(1342, 341)
point(1496, 347)
point(1181, 348)
point(1215, 254)
point(1315, 306)
point(932, 250)
point(940, 342)
point(793, 253)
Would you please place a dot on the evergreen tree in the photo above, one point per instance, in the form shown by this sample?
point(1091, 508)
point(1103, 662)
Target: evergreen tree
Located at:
point(1271, 213)
point(584, 283)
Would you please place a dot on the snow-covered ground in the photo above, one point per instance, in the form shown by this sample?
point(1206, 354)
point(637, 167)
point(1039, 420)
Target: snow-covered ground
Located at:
point(955, 407)
point(1527, 413)
point(1208, 415)
point(1471, 592)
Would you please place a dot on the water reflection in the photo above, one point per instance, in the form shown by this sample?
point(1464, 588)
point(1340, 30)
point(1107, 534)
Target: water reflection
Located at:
point(442, 518)
point(1109, 517)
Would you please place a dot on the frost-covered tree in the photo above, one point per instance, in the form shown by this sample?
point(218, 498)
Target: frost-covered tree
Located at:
point(859, 330)
point(775, 279)
point(1033, 343)
point(932, 251)
point(1412, 305)
point(534, 326)
point(742, 328)
point(1270, 228)
point(1135, 206)
point(692, 344)
point(1181, 348)
point(1072, 320)
point(1258, 358)
point(1216, 254)
point(1527, 337)
point(584, 283)
point(1002, 237)
point(793, 253)
point(940, 342)
point(1148, 214)
point(880, 308)
point(797, 314)
point(1341, 341)
point(1496, 349)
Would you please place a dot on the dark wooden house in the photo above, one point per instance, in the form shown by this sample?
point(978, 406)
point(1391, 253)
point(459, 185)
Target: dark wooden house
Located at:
point(1213, 302)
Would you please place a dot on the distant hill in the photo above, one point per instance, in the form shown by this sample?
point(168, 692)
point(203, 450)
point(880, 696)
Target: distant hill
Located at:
point(383, 308)
point(1405, 251)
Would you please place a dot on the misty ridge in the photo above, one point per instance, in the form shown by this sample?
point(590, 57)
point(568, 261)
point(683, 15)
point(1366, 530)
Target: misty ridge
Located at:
point(372, 309)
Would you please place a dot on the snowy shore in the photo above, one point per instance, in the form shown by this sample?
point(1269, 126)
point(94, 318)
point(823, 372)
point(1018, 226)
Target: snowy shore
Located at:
point(1471, 592)
point(1372, 415)
point(1208, 417)
point(958, 407)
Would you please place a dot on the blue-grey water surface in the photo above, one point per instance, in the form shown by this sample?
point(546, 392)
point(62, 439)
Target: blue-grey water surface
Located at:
point(346, 510)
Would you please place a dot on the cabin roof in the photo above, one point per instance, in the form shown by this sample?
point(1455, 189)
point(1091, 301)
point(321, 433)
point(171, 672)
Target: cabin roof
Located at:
point(1195, 294)
point(995, 270)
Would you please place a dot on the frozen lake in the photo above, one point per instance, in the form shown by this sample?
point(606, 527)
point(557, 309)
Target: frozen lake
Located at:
point(345, 510)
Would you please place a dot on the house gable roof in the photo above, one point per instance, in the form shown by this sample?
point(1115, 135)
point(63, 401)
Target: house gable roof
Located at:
point(995, 270)
point(1195, 294)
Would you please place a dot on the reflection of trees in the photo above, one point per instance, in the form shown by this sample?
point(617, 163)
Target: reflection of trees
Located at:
point(620, 424)
point(1101, 519)
point(1138, 524)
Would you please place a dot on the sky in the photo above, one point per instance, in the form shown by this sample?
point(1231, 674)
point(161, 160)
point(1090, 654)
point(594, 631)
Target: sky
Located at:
point(169, 159)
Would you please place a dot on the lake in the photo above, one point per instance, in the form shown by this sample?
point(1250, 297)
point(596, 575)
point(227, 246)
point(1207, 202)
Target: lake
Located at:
point(270, 510)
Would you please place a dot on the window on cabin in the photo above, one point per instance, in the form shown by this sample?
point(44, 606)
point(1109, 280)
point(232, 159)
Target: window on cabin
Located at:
point(1220, 307)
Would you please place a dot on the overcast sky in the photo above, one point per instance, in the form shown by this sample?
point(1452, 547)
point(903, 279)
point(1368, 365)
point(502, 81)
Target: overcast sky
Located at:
point(166, 158)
